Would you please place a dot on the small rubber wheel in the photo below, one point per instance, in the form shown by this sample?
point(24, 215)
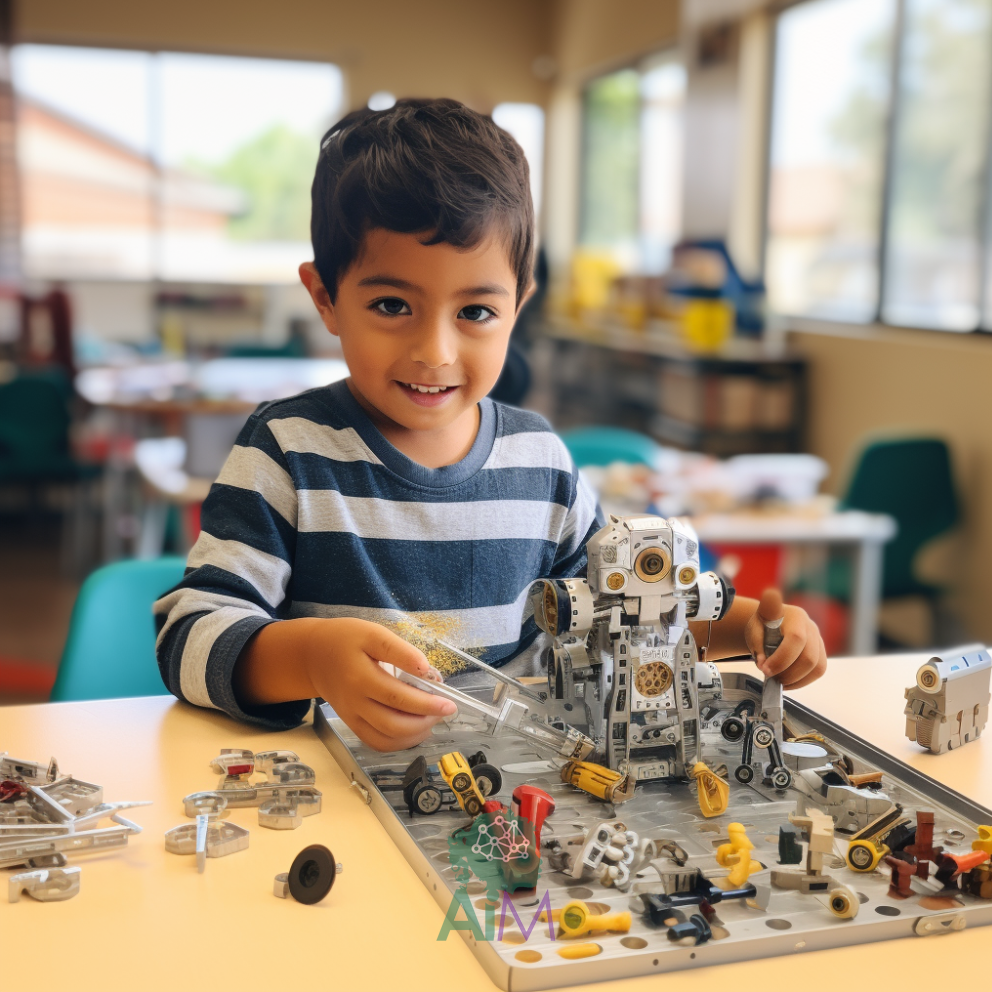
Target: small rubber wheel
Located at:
point(472, 806)
point(744, 774)
point(781, 778)
point(763, 737)
point(461, 782)
point(732, 729)
point(426, 799)
point(312, 874)
point(488, 778)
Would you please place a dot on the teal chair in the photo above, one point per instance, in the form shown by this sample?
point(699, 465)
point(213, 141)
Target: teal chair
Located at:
point(910, 479)
point(110, 650)
point(606, 445)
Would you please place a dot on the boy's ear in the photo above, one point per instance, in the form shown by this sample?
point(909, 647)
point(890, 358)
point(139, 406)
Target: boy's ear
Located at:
point(531, 290)
point(310, 278)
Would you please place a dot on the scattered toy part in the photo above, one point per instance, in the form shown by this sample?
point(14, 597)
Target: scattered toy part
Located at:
point(576, 920)
point(713, 792)
point(535, 805)
point(279, 816)
point(842, 901)
point(949, 704)
point(310, 877)
point(696, 927)
point(455, 770)
point(47, 885)
point(219, 838)
point(736, 855)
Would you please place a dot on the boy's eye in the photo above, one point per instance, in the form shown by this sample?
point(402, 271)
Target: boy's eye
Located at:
point(392, 306)
point(476, 313)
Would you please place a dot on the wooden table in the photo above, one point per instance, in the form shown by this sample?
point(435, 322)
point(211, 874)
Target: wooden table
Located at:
point(146, 918)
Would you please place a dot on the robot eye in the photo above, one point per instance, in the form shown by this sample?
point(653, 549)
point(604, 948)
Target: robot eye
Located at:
point(653, 564)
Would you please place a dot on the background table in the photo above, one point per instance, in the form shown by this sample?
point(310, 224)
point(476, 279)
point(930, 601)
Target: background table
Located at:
point(865, 533)
point(145, 917)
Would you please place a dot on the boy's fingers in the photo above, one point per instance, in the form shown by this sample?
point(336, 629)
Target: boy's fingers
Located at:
point(390, 691)
point(399, 729)
point(375, 738)
point(383, 645)
point(785, 654)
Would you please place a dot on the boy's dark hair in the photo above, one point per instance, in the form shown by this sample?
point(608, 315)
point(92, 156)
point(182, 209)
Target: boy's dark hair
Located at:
point(423, 165)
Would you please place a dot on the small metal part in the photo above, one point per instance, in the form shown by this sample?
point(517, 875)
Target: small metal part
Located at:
point(312, 874)
point(281, 885)
point(219, 838)
point(279, 816)
point(46, 885)
point(206, 802)
point(292, 773)
point(265, 761)
point(19, 851)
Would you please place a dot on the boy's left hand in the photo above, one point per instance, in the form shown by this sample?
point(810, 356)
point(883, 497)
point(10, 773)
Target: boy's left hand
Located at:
point(801, 658)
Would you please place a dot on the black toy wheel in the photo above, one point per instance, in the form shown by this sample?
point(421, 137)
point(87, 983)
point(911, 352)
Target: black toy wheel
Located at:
point(426, 799)
point(744, 774)
point(732, 729)
point(488, 778)
point(763, 737)
point(461, 782)
point(781, 778)
point(312, 874)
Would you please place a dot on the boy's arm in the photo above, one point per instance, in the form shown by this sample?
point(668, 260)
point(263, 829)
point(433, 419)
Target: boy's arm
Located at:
point(800, 659)
point(235, 581)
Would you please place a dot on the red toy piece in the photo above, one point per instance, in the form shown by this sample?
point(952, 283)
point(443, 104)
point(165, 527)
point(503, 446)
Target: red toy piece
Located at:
point(900, 886)
point(9, 791)
point(951, 866)
point(533, 804)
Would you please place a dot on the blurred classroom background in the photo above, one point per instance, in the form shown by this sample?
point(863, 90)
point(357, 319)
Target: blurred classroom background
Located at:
point(764, 275)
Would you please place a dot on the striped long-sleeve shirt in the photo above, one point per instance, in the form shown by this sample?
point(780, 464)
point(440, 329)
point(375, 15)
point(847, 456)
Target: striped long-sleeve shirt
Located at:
point(316, 514)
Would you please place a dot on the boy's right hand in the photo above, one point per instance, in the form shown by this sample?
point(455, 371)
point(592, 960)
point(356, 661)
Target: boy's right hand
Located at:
point(338, 659)
point(342, 659)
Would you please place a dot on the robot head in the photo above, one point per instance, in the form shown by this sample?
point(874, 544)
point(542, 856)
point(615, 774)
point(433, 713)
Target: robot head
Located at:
point(641, 555)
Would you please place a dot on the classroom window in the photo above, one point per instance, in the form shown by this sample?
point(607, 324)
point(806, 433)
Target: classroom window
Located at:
point(136, 165)
point(525, 121)
point(631, 185)
point(879, 183)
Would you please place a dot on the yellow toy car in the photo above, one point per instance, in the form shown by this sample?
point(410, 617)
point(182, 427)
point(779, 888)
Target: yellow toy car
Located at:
point(456, 772)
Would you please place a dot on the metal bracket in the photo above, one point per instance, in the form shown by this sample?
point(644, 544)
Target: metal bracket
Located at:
point(362, 791)
point(927, 926)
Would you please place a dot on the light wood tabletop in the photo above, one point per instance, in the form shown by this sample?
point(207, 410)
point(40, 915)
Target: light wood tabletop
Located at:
point(145, 918)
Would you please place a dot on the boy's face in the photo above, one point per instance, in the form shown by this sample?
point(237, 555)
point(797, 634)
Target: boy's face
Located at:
point(414, 318)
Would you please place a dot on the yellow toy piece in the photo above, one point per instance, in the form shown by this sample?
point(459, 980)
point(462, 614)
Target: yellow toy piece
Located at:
point(867, 846)
point(597, 780)
point(712, 792)
point(456, 772)
point(737, 856)
point(984, 842)
point(575, 920)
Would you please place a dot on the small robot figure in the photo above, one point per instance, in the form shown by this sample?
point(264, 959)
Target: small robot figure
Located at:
point(624, 668)
point(949, 704)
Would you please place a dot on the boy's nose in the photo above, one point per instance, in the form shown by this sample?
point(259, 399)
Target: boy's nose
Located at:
point(435, 346)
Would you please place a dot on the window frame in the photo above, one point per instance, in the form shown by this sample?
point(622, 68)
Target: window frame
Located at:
point(984, 296)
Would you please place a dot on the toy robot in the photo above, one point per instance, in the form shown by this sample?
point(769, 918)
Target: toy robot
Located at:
point(949, 705)
point(624, 669)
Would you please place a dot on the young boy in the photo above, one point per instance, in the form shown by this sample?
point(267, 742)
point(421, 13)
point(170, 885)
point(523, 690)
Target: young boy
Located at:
point(403, 489)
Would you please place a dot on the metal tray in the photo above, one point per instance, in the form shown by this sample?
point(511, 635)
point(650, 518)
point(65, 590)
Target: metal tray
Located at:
point(792, 921)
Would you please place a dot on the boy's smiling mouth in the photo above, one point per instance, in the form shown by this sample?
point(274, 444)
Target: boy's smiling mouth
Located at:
point(427, 395)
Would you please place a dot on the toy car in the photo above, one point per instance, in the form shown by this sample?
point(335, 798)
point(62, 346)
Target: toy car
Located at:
point(457, 772)
point(424, 792)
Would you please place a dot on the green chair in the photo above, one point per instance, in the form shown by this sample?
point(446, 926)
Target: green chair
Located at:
point(110, 650)
point(605, 445)
point(911, 480)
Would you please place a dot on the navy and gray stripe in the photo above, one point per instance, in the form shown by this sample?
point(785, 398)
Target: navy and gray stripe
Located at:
point(316, 514)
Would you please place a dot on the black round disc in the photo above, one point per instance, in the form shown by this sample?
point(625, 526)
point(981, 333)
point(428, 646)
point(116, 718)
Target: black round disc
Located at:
point(312, 874)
